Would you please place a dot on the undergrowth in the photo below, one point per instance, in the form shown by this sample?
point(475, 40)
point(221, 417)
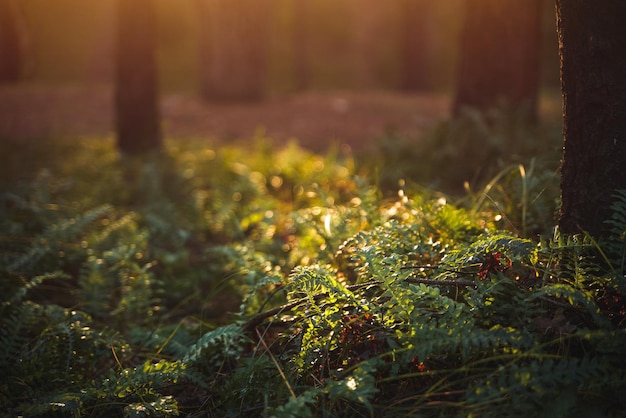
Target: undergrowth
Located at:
point(265, 282)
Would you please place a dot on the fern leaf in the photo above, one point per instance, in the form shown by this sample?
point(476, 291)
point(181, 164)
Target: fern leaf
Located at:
point(222, 342)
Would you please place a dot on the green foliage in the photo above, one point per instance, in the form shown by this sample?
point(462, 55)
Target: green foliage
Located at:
point(279, 283)
point(480, 144)
point(616, 245)
point(512, 161)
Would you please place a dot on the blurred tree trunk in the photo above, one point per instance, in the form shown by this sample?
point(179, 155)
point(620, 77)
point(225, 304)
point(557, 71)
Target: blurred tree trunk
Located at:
point(234, 36)
point(301, 12)
point(416, 33)
point(592, 39)
point(500, 55)
point(11, 58)
point(136, 96)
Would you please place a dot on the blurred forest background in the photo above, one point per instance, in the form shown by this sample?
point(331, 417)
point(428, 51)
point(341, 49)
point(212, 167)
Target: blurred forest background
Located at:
point(350, 44)
point(374, 75)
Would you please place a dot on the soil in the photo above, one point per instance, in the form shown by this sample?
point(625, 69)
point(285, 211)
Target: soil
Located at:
point(315, 119)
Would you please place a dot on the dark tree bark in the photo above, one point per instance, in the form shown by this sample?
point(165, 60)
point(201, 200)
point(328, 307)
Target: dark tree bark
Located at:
point(592, 41)
point(416, 33)
point(11, 58)
point(500, 53)
point(136, 96)
point(233, 44)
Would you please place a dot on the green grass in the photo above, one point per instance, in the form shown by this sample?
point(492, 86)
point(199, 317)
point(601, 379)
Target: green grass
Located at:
point(277, 282)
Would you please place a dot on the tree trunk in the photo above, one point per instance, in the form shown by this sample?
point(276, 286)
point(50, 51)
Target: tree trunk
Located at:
point(233, 49)
point(416, 33)
point(136, 97)
point(499, 63)
point(592, 41)
point(10, 42)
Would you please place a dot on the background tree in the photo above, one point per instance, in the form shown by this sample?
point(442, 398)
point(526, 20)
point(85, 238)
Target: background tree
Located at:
point(500, 53)
point(136, 97)
point(416, 32)
point(11, 57)
point(592, 39)
point(233, 47)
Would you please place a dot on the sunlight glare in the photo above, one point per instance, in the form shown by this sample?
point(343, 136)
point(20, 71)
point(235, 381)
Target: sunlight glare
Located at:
point(327, 219)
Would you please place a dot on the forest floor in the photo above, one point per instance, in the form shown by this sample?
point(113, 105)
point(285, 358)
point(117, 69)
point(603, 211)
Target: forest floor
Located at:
point(315, 119)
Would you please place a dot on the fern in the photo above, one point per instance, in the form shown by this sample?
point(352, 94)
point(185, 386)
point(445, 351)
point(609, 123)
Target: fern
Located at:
point(21, 292)
point(56, 242)
point(254, 272)
point(44, 348)
point(215, 346)
point(574, 297)
point(349, 305)
point(301, 406)
point(616, 245)
point(576, 384)
point(315, 280)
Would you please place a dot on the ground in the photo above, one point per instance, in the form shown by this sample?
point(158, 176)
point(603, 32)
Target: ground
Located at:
point(315, 119)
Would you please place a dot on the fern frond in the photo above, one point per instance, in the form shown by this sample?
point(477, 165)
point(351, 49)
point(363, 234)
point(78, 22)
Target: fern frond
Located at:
point(312, 281)
point(616, 245)
point(33, 283)
point(617, 222)
point(50, 246)
point(15, 334)
point(226, 341)
point(574, 296)
point(565, 386)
